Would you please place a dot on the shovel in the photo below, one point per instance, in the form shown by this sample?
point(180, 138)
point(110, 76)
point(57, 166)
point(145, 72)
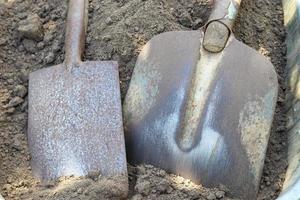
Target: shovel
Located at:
point(75, 116)
point(200, 104)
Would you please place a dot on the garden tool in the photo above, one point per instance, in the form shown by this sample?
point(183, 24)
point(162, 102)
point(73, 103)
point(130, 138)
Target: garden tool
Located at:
point(200, 104)
point(74, 115)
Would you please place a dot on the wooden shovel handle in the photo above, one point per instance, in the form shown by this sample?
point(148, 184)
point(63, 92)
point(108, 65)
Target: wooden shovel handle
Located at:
point(75, 32)
point(225, 11)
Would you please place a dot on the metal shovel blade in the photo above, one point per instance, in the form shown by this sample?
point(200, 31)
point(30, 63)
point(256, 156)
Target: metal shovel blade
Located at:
point(74, 115)
point(75, 121)
point(205, 116)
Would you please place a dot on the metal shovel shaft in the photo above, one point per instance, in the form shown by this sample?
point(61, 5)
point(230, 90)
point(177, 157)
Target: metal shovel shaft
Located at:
point(203, 82)
point(225, 10)
point(75, 32)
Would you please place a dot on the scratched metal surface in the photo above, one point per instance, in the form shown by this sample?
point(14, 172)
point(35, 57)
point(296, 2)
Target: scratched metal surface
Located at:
point(75, 121)
point(207, 120)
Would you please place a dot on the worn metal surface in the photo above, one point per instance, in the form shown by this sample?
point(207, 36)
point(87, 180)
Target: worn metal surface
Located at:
point(75, 121)
point(74, 115)
point(223, 135)
point(205, 116)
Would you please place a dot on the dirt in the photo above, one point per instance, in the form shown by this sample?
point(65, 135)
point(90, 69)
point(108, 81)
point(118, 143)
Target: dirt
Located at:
point(117, 30)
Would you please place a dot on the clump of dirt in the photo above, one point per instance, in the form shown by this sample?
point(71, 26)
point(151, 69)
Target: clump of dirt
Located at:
point(91, 187)
point(32, 37)
point(148, 182)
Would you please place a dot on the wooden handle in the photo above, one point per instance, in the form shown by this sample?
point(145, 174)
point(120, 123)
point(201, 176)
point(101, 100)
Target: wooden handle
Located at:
point(75, 32)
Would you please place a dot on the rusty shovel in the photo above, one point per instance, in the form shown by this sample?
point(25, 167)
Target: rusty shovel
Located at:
point(200, 104)
point(75, 116)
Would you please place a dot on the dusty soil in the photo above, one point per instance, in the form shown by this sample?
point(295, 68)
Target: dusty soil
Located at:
point(117, 31)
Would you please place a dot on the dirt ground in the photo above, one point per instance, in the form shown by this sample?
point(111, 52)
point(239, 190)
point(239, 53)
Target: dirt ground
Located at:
point(117, 30)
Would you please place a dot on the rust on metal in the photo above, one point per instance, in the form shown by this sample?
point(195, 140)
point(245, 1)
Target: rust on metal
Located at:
point(75, 117)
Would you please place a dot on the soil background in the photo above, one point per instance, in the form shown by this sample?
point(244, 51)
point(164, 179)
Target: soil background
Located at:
point(117, 31)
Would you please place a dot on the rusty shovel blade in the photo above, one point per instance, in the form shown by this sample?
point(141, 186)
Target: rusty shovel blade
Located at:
point(75, 121)
point(205, 116)
point(75, 117)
